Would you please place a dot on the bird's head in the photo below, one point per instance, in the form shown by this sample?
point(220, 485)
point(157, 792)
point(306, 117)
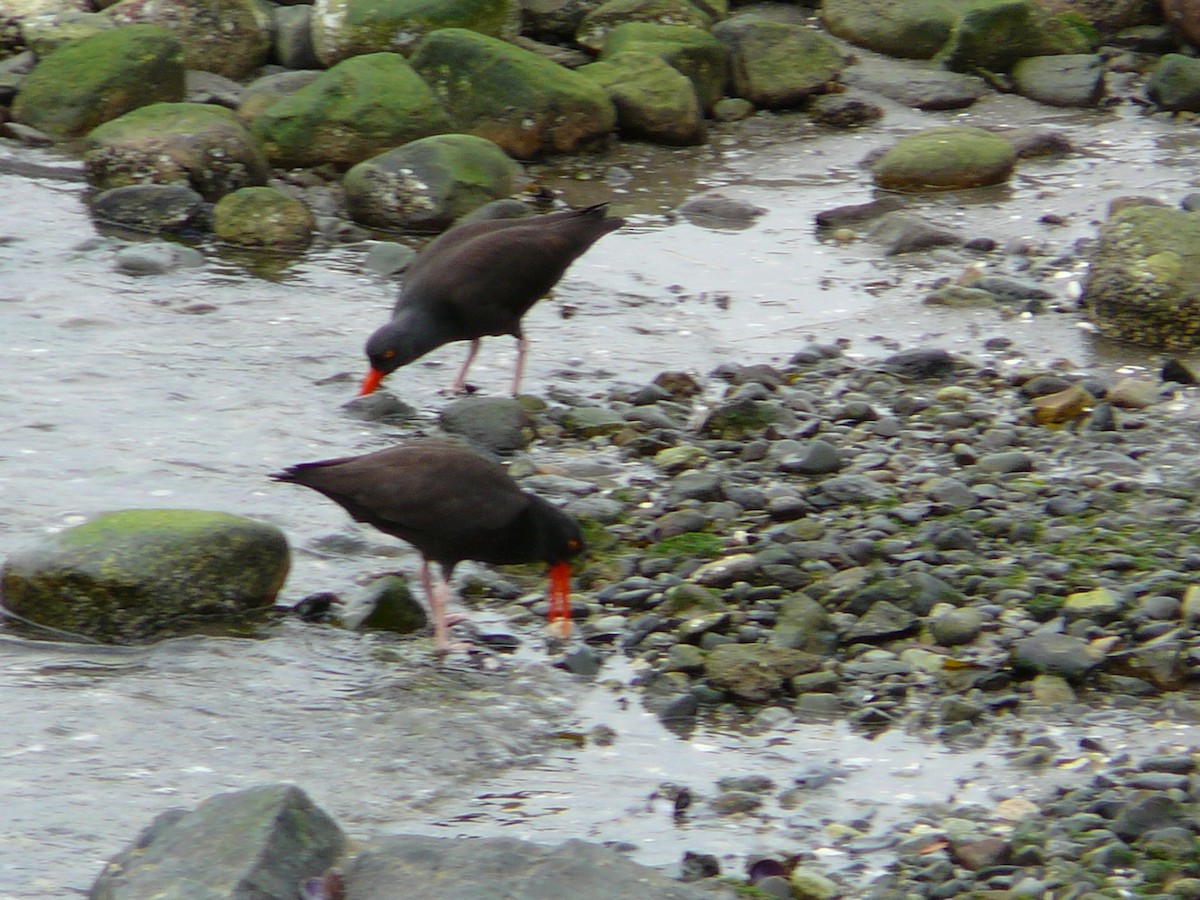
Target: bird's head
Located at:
point(388, 349)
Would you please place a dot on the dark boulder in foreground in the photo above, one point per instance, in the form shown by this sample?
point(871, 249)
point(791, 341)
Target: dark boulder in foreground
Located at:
point(144, 573)
point(269, 842)
point(262, 842)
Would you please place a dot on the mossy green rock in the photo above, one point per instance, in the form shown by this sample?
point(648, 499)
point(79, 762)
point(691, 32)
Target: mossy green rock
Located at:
point(427, 184)
point(100, 78)
point(524, 103)
point(654, 100)
point(693, 51)
point(345, 28)
point(909, 29)
point(355, 110)
point(1175, 83)
point(145, 573)
point(593, 30)
point(263, 217)
point(942, 159)
point(228, 37)
point(1143, 283)
point(198, 144)
point(776, 65)
point(994, 36)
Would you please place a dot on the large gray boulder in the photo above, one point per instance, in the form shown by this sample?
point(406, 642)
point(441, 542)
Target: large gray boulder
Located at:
point(144, 573)
point(262, 842)
point(99, 78)
point(358, 108)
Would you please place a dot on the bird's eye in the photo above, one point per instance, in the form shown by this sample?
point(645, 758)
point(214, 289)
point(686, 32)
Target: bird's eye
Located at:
point(574, 544)
point(388, 354)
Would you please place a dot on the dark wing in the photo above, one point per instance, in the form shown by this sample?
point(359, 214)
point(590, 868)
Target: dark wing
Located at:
point(440, 498)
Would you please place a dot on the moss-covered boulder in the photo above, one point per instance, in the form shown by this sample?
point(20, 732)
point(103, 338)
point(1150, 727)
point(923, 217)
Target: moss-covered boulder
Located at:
point(914, 29)
point(99, 78)
point(776, 65)
point(521, 101)
point(145, 573)
point(944, 159)
point(993, 36)
point(263, 217)
point(1066, 79)
point(345, 28)
point(654, 100)
point(593, 30)
point(51, 31)
point(262, 93)
point(199, 144)
point(353, 111)
point(693, 51)
point(229, 37)
point(427, 184)
point(1143, 283)
point(1175, 83)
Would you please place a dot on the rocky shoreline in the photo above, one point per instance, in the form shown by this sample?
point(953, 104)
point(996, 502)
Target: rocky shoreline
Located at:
point(903, 543)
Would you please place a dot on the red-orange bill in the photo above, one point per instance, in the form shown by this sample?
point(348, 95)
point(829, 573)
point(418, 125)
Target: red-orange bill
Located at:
point(371, 382)
point(560, 597)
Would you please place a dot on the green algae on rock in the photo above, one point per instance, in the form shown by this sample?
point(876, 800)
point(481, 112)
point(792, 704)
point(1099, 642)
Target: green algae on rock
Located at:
point(429, 183)
point(521, 101)
point(694, 52)
point(99, 78)
point(263, 217)
point(144, 573)
point(1143, 285)
point(654, 100)
point(945, 159)
point(198, 144)
point(228, 37)
point(355, 110)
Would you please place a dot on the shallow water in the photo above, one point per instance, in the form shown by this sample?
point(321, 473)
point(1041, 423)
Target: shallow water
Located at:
point(186, 389)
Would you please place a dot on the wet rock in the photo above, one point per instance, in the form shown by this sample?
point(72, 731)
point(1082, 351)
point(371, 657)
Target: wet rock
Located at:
point(386, 604)
point(883, 621)
point(143, 573)
point(957, 626)
point(1075, 80)
point(501, 424)
point(729, 803)
point(228, 37)
point(1175, 83)
point(1055, 654)
point(1007, 289)
point(156, 258)
point(1145, 811)
point(593, 421)
point(816, 458)
point(902, 232)
point(693, 51)
point(1141, 287)
point(204, 146)
point(918, 87)
point(1063, 406)
point(429, 183)
point(845, 110)
point(100, 78)
point(293, 44)
point(777, 65)
point(804, 624)
point(946, 158)
point(258, 842)
point(263, 217)
point(981, 854)
point(857, 213)
point(520, 101)
point(448, 869)
point(719, 211)
point(756, 672)
point(992, 38)
point(911, 31)
point(152, 207)
point(653, 100)
point(920, 363)
point(348, 28)
point(359, 108)
point(596, 24)
point(263, 92)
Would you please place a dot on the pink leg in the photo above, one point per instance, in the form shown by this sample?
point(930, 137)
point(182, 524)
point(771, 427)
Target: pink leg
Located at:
point(437, 591)
point(522, 347)
point(462, 373)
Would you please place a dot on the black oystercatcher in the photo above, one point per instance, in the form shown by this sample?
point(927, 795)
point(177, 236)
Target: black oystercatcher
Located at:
point(451, 505)
point(479, 279)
